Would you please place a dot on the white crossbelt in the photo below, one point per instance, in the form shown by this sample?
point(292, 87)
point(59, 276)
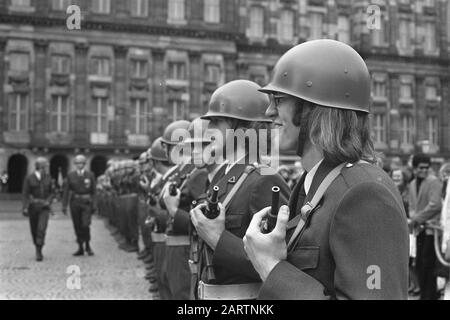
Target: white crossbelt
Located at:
point(158, 237)
point(176, 241)
point(243, 291)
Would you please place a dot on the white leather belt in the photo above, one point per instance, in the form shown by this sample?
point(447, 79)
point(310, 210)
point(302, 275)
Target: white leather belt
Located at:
point(129, 195)
point(176, 241)
point(244, 291)
point(158, 237)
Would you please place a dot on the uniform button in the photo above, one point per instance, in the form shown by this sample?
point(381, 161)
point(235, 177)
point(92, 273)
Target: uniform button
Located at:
point(349, 165)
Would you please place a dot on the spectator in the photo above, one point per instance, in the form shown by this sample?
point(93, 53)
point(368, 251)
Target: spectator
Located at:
point(445, 216)
point(4, 182)
point(425, 207)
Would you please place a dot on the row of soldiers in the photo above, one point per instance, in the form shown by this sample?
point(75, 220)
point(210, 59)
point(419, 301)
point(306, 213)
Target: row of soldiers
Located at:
point(208, 218)
point(154, 195)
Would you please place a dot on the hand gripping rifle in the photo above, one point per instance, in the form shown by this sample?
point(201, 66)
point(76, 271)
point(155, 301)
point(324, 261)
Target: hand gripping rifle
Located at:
point(272, 218)
point(212, 211)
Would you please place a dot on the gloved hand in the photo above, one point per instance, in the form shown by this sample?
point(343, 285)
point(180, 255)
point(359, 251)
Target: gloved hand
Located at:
point(25, 212)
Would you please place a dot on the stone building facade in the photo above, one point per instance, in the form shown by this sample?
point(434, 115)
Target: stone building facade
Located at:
point(110, 88)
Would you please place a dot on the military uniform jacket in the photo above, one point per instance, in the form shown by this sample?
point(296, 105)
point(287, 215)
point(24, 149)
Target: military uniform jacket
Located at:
point(37, 189)
point(80, 185)
point(193, 188)
point(355, 245)
point(231, 264)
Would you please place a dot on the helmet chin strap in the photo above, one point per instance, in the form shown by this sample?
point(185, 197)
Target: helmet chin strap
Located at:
point(303, 134)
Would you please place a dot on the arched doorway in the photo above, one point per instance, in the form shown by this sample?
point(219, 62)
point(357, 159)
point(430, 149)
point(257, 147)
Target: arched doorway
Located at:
point(17, 171)
point(98, 165)
point(58, 168)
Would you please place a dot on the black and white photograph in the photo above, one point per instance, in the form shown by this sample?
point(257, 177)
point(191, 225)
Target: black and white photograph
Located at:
point(243, 151)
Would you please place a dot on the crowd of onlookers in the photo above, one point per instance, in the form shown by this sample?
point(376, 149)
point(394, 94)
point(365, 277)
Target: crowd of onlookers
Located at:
point(424, 193)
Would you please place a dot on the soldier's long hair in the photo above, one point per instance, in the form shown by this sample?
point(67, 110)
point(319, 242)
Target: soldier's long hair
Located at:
point(342, 135)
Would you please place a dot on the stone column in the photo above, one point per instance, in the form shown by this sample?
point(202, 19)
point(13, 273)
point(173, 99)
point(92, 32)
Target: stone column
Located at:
point(39, 113)
point(121, 104)
point(3, 102)
point(82, 100)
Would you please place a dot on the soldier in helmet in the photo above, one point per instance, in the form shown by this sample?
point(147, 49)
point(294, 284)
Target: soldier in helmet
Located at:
point(344, 234)
point(224, 269)
point(178, 207)
point(79, 192)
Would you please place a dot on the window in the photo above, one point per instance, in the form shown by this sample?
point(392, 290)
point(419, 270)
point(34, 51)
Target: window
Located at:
point(379, 89)
point(379, 128)
point(406, 91)
point(99, 122)
point(315, 25)
point(139, 8)
point(176, 10)
point(286, 25)
point(177, 71)
point(344, 29)
point(139, 68)
point(256, 22)
point(212, 11)
point(431, 93)
point(61, 5)
point(430, 37)
point(432, 129)
point(178, 109)
point(59, 116)
point(101, 67)
point(380, 36)
point(19, 62)
point(101, 6)
point(212, 73)
point(429, 3)
point(60, 64)
point(21, 3)
point(407, 127)
point(18, 112)
point(405, 37)
point(138, 116)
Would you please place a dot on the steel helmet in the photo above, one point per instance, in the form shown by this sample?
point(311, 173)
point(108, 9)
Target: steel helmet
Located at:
point(167, 136)
point(239, 99)
point(197, 131)
point(325, 72)
point(157, 152)
point(143, 158)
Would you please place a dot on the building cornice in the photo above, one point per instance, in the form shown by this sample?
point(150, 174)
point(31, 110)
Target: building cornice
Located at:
point(119, 26)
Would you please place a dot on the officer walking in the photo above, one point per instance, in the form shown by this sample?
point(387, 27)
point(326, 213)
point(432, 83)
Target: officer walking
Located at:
point(344, 234)
point(38, 193)
point(79, 192)
point(243, 190)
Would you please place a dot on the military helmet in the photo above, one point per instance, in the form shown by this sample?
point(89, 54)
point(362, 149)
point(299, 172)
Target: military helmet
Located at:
point(167, 136)
point(325, 72)
point(143, 157)
point(157, 152)
point(197, 131)
point(238, 99)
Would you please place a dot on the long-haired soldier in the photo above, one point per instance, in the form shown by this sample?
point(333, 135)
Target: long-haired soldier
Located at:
point(344, 234)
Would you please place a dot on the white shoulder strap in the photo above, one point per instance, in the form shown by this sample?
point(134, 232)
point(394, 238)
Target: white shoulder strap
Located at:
point(309, 207)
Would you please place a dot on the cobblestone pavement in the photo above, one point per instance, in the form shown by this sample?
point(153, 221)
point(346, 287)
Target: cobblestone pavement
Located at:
point(110, 274)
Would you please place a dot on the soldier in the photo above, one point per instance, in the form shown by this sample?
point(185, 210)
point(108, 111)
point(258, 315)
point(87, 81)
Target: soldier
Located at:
point(177, 241)
point(243, 190)
point(79, 189)
point(344, 234)
point(145, 178)
point(158, 217)
point(129, 199)
point(38, 194)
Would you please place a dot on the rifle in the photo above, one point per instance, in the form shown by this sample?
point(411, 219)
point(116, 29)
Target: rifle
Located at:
point(212, 211)
point(272, 218)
